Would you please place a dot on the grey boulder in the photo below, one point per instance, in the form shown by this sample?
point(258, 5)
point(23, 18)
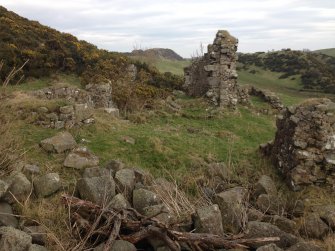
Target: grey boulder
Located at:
point(98, 190)
point(118, 245)
point(47, 185)
point(80, 158)
point(59, 143)
point(257, 229)
point(208, 220)
point(143, 198)
point(14, 240)
point(7, 217)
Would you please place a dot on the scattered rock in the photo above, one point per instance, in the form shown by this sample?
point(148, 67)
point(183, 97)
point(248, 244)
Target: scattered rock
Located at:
point(143, 198)
point(119, 202)
point(314, 227)
point(208, 220)
point(305, 246)
point(60, 143)
point(113, 111)
point(99, 190)
point(233, 211)
point(159, 212)
point(31, 171)
point(257, 229)
point(125, 179)
point(19, 189)
point(7, 217)
point(80, 158)
point(14, 240)
point(269, 204)
point(3, 188)
point(115, 165)
point(47, 185)
point(91, 172)
point(284, 224)
point(35, 247)
point(265, 185)
point(118, 245)
point(270, 247)
point(37, 234)
point(82, 112)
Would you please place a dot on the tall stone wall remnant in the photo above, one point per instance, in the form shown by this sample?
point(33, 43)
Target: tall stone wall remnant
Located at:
point(214, 75)
point(304, 145)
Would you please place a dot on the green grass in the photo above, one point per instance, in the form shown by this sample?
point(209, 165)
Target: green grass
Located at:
point(329, 52)
point(289, 89)
point(164, 144)
point(165, 65)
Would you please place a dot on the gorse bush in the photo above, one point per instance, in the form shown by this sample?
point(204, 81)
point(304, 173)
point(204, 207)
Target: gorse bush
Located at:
point(50, 51)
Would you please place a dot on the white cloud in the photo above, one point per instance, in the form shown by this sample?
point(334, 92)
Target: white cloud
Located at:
point(181, 25)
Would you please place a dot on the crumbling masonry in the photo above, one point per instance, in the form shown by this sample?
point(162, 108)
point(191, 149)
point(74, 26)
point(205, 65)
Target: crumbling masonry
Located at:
point(214, 75)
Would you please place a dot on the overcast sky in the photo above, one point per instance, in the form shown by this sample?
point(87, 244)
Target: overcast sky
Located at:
point(121, 25)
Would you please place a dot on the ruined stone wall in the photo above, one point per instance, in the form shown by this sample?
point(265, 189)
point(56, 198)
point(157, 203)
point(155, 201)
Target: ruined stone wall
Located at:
point(268, 97)
point(214, 74)
point(304, 145)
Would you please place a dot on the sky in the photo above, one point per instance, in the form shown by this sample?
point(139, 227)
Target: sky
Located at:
point(124, 25)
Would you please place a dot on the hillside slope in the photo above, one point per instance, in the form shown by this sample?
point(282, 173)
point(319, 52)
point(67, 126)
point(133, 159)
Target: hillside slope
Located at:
point(317, 71)
point(158, 53)
point(329, 52)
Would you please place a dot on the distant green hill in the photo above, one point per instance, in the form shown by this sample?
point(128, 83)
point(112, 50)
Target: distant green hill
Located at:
point(329, 52)
point(317, 71)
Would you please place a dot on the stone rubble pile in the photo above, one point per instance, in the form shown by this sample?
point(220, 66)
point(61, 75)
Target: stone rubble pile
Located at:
point(64, 117)
point(80, 110)
point(257, 212)
point(214, 75)
point(304, 145)
point(268, 97)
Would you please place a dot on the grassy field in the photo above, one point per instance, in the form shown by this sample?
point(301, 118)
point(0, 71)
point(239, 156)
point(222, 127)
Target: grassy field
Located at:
point(165, 65)
point(329, 52)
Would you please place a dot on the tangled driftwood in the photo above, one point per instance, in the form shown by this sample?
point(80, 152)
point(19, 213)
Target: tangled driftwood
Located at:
point(97, 224)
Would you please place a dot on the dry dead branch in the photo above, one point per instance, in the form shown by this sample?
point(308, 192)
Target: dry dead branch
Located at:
point(94, 222)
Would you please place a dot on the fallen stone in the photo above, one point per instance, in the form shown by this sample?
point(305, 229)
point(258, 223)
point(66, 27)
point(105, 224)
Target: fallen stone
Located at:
point(305, 246)
point(284, 224)
point(257, 229)
point(91, 172)
point(314, 227)
point(82, 112)
point(14, 240)
point(35, 247)
point(118, 245)
point(270, 247)
point(125, 180)
point(37, 233)
point(208, 220)
point(113, 111)
point(265, 185)
point(327, 214)
point(115, 165)
point(143, 198)
point(19, 189)
point(80, 158)
point(254, 214)
point(3, 188)
point(99, 190)
point(269, 204)
point(60, 143)
point(159, 212)
point(231, 204)
point(31, 171)
point(47, 185)
point(68, 109)
point(119, 202)
point(7, 217)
